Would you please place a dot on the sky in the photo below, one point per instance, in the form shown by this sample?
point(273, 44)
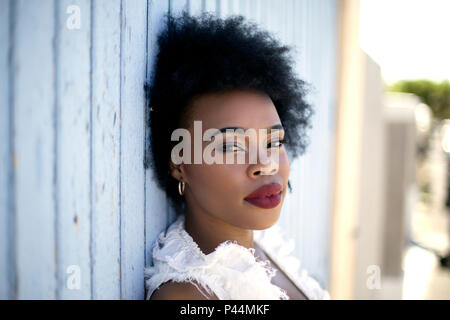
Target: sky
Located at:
point(409, 39)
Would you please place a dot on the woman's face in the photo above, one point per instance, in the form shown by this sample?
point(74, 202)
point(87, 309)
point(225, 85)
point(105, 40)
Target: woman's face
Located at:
point(220, 189)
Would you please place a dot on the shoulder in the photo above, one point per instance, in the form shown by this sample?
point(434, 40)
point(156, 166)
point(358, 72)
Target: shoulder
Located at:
point(180, 291)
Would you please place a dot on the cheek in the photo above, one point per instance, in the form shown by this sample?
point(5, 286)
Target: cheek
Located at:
point(215, 185)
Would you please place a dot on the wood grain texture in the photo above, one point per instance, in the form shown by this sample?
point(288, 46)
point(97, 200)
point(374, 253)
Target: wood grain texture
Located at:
point(73, 133)
point(105, 153)
point(34, 104)
point(156, 205)
point(210, 5)
point(132, 180)
point(195, 7)
point(176, 6)
point(6, 187)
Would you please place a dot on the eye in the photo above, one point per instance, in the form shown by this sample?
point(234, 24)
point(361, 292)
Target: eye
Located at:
point(278, 143)
point(231, 148)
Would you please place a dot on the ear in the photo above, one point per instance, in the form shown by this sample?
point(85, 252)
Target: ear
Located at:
point(177, 171)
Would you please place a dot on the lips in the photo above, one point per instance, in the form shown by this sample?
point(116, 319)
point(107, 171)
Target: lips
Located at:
point(267, 196)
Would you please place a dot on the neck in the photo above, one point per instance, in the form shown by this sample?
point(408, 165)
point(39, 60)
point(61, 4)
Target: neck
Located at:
point(209, 231)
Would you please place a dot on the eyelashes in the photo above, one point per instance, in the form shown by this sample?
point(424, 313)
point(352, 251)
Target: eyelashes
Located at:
point(281, 142)
point(229, 147)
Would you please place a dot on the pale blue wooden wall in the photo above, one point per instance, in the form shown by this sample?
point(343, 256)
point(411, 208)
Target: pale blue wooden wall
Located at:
point(73, 188)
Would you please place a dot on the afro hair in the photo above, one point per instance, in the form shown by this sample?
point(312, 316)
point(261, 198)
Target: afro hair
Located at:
point(206, 54)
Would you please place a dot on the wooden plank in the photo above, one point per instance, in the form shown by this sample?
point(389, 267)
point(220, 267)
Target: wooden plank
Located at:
point(327, 100)
point(210, 6)
point(176, 6)
point(264, 13)
point(6, 169)
point(279, 20)
point(133, 74)
point(156, 206)
point(235, 4)
point(34, 103)
point(243, 7)
point(195, 7)
point(271, 16)
point(222, 8)
point(285, 21)
point(255, 11)
point(299, 33)
point(73, 148)
point(303, 221)
point(250, 10)
point(106, 149)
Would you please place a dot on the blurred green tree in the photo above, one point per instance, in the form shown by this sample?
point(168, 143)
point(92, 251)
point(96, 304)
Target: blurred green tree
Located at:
point(435, 95)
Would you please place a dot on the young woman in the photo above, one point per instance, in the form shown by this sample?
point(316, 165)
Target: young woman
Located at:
point(219, 74)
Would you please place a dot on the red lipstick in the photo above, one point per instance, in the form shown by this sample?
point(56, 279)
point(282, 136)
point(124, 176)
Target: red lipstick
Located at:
point(267, 196)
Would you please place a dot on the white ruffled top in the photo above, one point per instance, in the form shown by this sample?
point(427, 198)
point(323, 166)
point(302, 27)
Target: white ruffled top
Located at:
point(231, 271)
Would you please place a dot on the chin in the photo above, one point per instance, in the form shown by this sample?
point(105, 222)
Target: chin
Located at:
point(265, 220)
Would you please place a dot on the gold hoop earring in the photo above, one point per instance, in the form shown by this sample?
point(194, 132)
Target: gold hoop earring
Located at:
point(181, 187)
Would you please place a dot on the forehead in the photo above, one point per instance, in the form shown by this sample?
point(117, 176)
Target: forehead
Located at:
point(247, 109)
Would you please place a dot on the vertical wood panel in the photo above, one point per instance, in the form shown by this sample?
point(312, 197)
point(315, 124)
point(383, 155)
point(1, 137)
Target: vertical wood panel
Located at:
point(285, 21)
point(326, 100)
point(249, 9)
point(318, 191)
point(222, 8)
point(243, 7)
point(176, 6)
point(218, 6)
point(210, 5)
point(226, 8)
point(272, 16)
point(195, 7)
point(233, 6)
point(263, 14)
point(278, 10)
point(298, 214)
point(5, 155)
point(297, 211)
point(106, 149)
point(133, 74)
point(73, 149)
point(303, 181)
point(256, 9)
point(155, 198)
point(33, 67)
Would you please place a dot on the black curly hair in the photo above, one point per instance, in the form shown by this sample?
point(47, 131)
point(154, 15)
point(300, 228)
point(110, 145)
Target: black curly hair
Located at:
point(206, 54)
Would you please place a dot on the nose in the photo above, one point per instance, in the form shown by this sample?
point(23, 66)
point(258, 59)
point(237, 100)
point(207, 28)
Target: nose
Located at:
point(260, 169)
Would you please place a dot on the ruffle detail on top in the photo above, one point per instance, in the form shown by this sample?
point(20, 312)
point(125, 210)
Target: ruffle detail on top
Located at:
point(279, 250)
point(231, 271)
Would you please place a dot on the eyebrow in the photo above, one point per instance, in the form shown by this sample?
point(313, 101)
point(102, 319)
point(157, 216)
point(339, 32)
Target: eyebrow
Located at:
point(223, 130)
